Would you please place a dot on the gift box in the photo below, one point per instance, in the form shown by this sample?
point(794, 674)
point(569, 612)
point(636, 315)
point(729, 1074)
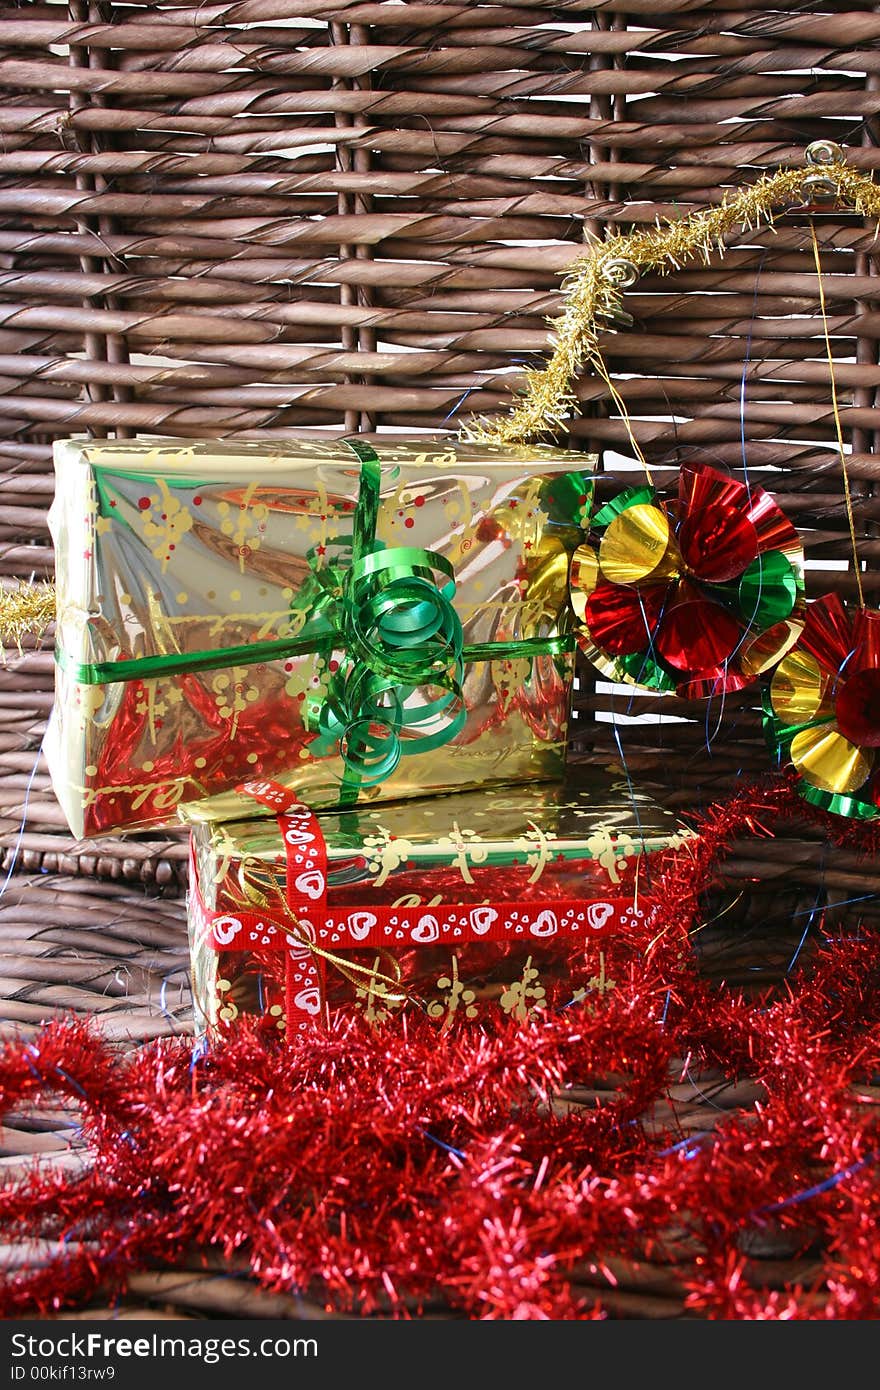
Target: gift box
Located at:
point(378, 904)
point(359, 623)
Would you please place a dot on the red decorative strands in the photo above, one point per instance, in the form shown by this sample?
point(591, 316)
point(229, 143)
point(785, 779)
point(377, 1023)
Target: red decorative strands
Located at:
point(400, 1167)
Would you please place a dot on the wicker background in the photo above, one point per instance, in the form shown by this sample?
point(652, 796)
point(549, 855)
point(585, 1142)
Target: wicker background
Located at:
point(288, 215)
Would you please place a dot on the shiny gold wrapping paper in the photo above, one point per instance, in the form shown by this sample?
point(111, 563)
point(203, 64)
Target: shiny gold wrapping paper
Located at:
point(586, 837)
point(169, 547)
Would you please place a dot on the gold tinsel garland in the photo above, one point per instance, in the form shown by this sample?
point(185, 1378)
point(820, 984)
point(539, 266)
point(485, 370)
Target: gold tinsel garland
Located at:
point(25, 611)
point(593, 285)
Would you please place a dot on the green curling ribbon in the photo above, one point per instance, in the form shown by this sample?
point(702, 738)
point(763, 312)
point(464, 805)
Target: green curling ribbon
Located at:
point(388, 613)
point(398, 632)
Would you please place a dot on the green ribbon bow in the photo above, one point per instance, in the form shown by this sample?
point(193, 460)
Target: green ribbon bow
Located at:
point(399, 633)
point(388, 613)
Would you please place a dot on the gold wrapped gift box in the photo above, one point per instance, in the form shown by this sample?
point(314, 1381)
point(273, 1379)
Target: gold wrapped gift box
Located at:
point(539, 849)
point(360, 624)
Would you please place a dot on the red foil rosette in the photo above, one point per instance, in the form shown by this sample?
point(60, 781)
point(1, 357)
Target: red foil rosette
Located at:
point(823, 710)
point(699, 594)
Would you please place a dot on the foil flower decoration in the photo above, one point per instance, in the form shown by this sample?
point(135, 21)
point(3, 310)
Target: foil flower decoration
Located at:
point(699, 594)
point(823, 708)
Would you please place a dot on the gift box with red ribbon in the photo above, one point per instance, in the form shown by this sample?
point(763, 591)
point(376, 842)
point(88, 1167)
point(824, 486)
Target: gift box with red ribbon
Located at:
point(418, 903)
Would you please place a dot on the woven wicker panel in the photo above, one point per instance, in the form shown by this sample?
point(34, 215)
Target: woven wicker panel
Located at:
point(269, 216)
point(289, 215)
point(226, 220)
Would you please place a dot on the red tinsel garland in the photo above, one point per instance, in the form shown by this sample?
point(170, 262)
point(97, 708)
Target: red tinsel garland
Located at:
point(398, 1168)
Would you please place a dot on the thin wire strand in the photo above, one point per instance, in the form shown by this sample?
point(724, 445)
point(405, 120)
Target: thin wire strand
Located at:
point(16, 849)
point(850, 516)
point(625, 417)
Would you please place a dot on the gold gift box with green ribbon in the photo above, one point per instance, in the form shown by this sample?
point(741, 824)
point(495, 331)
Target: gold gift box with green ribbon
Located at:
point(358, 621)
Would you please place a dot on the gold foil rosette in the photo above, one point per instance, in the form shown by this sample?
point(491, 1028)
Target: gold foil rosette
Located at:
point(534, 848)
point(823, 708)
point(361, 623)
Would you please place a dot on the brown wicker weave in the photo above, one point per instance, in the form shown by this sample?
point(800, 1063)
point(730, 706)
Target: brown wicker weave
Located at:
point(271, 216)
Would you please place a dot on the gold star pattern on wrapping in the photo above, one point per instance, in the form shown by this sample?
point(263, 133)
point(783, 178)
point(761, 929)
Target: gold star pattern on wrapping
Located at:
point(228, 1009)
point(165, 521)
point(523, 518)
point(385, 853)
point(88, 699)
point(244, 524)
point(456, 997)
point(467, 848)
point(374, 998)
point(321, 522)
point(539, 851)
point(232, 695)
point(525, 996)
point(597, 984)
point(508, 678)
point(601, 984)
point(458, 510)
point(151, 701)
point(607, 845)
